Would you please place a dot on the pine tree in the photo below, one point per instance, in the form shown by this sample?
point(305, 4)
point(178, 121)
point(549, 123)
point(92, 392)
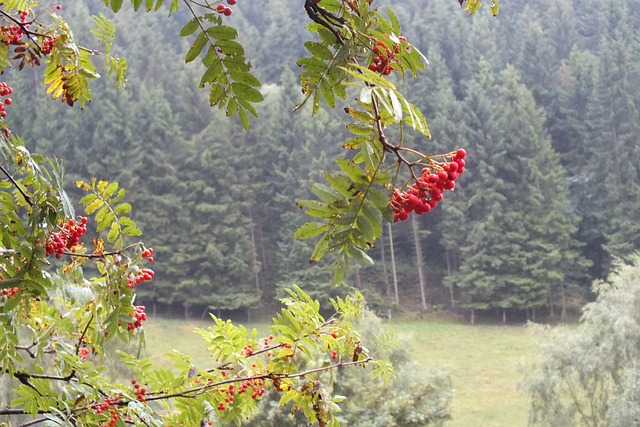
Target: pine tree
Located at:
point(521, 232)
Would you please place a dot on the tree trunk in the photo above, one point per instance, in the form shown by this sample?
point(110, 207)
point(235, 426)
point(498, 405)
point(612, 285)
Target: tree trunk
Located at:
point(563, 300)
point(254, 250)
point(473, 316)
point(393, 266)
point(504, 315)
point(385, 275)
point(452, 300)
point(421, 278)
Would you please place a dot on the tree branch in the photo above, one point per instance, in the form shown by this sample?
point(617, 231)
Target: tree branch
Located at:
point(15, 184)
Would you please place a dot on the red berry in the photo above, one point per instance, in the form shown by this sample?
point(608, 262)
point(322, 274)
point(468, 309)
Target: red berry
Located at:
point(231, 2)
point(461, 153)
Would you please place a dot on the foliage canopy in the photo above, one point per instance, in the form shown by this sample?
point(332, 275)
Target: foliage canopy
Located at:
point(65, 301)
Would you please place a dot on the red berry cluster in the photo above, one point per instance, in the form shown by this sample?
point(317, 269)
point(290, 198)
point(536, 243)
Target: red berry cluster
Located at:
point(5, 90)
point(139, 315)
point(143, 275)
point(247, 350)
point(147, 254)
point(382, 57)
point(256, 386)
point(67, 237)
point(104, 407)
point(83, 352)
point(13, 34)
point(139, 390)
point(47, 45)
point(427, 191)
point(10, 292)
point(334, 354)
point(225, 10)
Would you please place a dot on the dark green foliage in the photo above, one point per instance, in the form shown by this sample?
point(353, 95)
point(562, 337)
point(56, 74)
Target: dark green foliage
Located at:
point(579, 60)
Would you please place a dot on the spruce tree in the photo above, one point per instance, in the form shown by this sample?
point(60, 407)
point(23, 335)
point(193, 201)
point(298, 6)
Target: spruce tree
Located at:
point(521, 232)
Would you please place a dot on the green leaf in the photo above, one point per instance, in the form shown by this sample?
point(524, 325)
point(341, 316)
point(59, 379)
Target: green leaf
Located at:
point(244, 118)
point(131, 231)
point(216, 94)
point(190, 27)
point(340, 183)
point(106, 221)
point(114, 231)
point(325, 193)
point(397, 106)
point(244, 78)
point(318, 50)
point(230, 47)
point(222, 32)
point(361, 129)
point(366, 228)
point(196, 47)
point(116, 5)
point(327, 93)
point(368, 76)
point(394, 22)
point(320, 249)
point(352, 171)
point(338, 274)
point(246, 92)
point(122, 208)
point(93, 206)
point(211, 73)
point(310, 229)
point(175, 4)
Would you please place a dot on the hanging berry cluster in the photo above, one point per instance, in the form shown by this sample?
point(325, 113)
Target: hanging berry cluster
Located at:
point(13, 34)
point(143, 275)
point(139, 316)
point(47, 45)
point(428, 190)
point(68, 237)
point(139, 391)
point(83, 352)
point(383, 56)
point(104, 408)
point(5, 90)
point(225, 10)
point(9, 292)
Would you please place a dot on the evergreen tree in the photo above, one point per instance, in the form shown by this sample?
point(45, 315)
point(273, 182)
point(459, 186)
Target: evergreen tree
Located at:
point(614, 118)
point(520, 229)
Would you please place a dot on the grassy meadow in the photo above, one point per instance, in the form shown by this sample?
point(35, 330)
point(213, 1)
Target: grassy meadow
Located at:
point(486, 362)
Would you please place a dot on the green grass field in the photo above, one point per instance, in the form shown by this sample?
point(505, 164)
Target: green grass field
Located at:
point(486, 362)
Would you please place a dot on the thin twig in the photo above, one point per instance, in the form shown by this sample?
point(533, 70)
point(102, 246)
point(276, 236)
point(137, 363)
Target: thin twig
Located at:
point(13, 181)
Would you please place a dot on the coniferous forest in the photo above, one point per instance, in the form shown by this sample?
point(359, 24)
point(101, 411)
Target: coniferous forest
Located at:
point(545, 98)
